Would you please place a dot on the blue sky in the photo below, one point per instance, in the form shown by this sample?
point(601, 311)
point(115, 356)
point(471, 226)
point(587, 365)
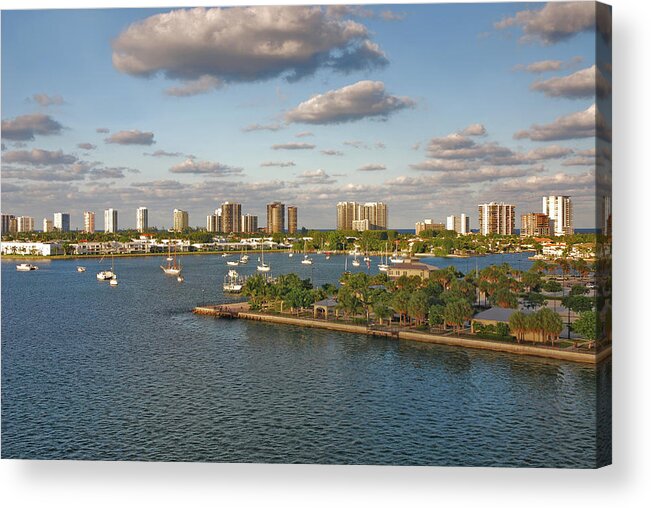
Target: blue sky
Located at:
point(390, 116)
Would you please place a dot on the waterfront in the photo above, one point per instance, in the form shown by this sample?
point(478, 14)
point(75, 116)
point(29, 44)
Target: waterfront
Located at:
point(94, 372)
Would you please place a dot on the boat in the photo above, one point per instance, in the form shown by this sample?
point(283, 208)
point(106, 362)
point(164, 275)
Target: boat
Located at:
point(383, 267)
point(291, 255)
point(306, 259)
point(233, 282)
point(263, 267)
point(244, 259)
point(233, 263)
point(114, 280)
point(395, 258)
point(172, 268)
point(224, 255)
point(355, 260)
point(26, 267)
point(180, 278)
point(108, 274)
point(81, 268)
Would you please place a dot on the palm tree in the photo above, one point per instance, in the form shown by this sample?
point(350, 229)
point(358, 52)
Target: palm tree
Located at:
point(456, 313)
point(418, 306)
point(518, 325)
point(400, 302)
point(551, 324)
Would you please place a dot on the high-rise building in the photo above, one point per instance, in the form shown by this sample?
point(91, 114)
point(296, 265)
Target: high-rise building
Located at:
point(181, 220)
point(349, 212)
point(496, 218)
point(7, 221)
point(89, 222)
point(62, 221)
point(458, 223)
point(142, 219)
point(48, 225)
point(249, 223)
point(24, 224)
point(535, 224)
point(292, 219)
point(275, 217)
point(110, 220)
point(559, 209)
point(211, 223)
point(428, 225)
point(231, 220)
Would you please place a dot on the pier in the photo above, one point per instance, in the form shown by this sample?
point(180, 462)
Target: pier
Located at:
point(242, 310)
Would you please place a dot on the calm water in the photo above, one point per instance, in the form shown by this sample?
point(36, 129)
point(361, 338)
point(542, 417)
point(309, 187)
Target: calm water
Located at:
point(95, 372)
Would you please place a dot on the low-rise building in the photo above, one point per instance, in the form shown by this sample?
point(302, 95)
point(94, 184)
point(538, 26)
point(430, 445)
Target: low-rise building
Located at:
point(32, 248)
point(411, 269)
point(428, 225)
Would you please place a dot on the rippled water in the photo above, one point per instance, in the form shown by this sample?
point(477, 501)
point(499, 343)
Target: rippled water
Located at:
point(94, 372)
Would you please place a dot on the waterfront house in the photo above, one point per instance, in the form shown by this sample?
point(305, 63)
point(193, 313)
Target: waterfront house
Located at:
point(32, 248)
point(410, 269)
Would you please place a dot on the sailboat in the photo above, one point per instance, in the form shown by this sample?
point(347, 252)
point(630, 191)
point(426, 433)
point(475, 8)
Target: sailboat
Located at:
point(233, 282)
point(383, 267)
point(366, 256)
point(396, 258)
point(262, 267)
point(106, 274)
point(244, 259)
point(306, 259)
point(172, 267)
point(355, 260)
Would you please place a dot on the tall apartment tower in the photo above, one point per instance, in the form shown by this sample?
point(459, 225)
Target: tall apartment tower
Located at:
point(535, 224)
point(89, 222)
point(62, 221)
point(292, 219)
point(458, 223)
point(376, 213)
point(346, 214)
point(7, 219)
point(275, 217)
point(231, 220)
point(180, 220)
point(48, 225)
point(142, 219)
point(111, 220)
point(559, 209)
point(496, 218)
point(249, 223)
point(211, 223)
point(24, 224)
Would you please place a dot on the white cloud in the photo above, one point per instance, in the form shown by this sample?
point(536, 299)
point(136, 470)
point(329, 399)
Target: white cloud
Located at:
point(475, 129)
point(332, 152)
point(244, 44)
point(582, 124)
point(293, 146)
point(372, 167)
point(45, 100)
point(364, 99)
point(277, 164)
point(132, 137)
point(201, 85)
point(26, 127)
point(193, 167)
point(579, 85)
point(261, 127)
point(86, 146)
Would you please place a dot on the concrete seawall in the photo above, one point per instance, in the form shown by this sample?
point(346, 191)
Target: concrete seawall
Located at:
point(242, 311)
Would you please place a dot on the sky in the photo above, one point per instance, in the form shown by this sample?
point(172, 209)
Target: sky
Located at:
point(432, 109)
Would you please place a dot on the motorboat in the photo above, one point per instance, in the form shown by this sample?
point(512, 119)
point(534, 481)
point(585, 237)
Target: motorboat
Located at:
point(105, 275)
point(114, 280)
point(180, 278)
point(233, 263)
point(81, 268)
point(26, 267)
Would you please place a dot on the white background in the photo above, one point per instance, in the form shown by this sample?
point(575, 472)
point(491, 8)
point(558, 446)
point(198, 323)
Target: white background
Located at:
point(626, 483)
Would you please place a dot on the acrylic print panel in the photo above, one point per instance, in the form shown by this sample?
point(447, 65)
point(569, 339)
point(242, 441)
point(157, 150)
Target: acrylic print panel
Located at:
point(325, 234)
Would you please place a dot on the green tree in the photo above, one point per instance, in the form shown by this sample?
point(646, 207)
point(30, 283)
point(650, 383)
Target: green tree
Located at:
point(578, 303)
point(457, 313)
point(435, 315)
point(400, 302)
point(586, 325)
point(419, 306)
point(518, 325)
point(551, 324)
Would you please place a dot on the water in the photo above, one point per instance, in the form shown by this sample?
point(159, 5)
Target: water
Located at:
point(128, 373)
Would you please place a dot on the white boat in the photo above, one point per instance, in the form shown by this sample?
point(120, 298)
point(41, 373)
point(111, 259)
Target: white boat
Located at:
point(172, 268)
point(105, 275)
point(263, 267)
point(180, 278)
point(232, 263)
point(291, 255)
point(355, 261)
point(244, 259)
point(114, 280)
point(233, 282)
point(26, 267)
point(306, 259)
point(384, 267)
point(224, 255)
point(81, 268)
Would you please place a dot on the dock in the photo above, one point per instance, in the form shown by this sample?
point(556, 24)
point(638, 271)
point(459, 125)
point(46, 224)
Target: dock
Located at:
point(242, 310)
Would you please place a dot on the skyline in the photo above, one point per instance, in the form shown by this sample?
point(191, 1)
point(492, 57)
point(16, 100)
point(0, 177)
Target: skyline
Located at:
point(452, 114)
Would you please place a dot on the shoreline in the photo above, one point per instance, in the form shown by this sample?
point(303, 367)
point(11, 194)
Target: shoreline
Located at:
point(242, 311)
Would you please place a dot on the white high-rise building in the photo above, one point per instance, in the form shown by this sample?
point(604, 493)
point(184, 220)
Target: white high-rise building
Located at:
point(459, 224)
point(559, 209)
point(48, 225)
point(62, 221)
point(89, 222)
point(142, 219)
point(25, 224)
point(110, 220)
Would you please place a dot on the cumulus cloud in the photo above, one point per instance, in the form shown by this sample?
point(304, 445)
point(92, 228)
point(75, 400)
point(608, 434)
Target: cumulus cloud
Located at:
point(332, 152)
point(38, 157)
point(372, 167)
point(26, 127)
point(193, 167)
point(201, 85)
point(163, 153)
point(548, 65)
point(262, 127)
point(560, 21)
point(132, 137)
point(86, 146)
point(47, 100)
point(278, 164)
point(61, 172)
point(475, 129)
point(579, 85)
point(364, 99)
point(102, 130)
point(244, 44)
point(293, 146)
point(582, 124)
point(304, 134)
point(318, 177)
